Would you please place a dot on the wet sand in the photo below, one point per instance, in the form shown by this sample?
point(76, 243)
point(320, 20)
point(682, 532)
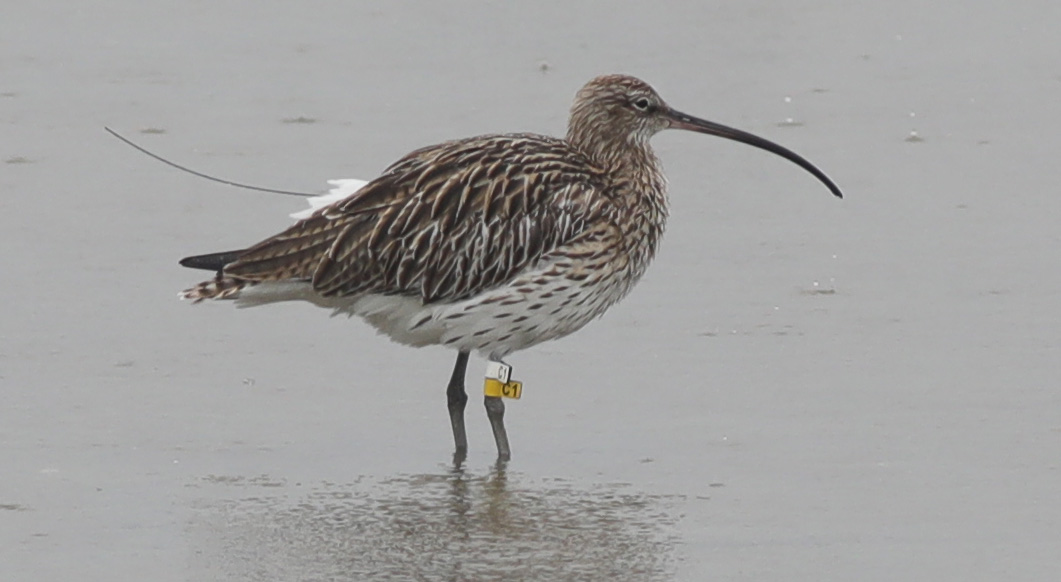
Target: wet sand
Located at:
point(800, 389)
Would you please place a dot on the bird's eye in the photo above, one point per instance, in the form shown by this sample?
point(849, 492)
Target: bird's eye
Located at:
point(642, 104)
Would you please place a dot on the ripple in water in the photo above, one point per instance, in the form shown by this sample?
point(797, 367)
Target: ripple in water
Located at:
point(450, 527)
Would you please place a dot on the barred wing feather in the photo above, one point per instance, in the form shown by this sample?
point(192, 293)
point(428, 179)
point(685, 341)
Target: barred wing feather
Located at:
point(444, 223)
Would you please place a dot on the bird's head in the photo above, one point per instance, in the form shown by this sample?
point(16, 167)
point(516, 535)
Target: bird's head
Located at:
point(613, 112)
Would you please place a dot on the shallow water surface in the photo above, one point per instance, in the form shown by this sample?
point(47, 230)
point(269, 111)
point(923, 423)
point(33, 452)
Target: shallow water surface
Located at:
point(451, 526)
point(800, 389)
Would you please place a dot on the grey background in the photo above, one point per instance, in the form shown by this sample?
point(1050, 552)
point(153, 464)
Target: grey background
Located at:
point(800, 389)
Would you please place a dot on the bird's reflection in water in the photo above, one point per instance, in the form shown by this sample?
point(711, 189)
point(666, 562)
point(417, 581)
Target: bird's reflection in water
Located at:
point(452, 526)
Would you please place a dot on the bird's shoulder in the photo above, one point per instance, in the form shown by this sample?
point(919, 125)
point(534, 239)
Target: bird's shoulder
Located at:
point(519, 150)
point(501, 175)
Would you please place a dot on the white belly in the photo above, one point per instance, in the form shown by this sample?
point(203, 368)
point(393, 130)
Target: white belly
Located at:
point(530, 310)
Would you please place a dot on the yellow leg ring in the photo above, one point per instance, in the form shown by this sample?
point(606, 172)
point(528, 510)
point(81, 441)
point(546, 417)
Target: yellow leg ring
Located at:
point(496, 388)
point(498, 384)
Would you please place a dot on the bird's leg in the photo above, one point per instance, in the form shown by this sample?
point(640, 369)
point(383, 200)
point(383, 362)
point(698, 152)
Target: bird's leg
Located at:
point(498, 384)
point(495, 411)
point(456, 398)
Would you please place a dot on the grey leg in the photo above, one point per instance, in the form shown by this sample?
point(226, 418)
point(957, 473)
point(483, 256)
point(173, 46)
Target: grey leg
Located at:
point(457, 398)
point(495, 411)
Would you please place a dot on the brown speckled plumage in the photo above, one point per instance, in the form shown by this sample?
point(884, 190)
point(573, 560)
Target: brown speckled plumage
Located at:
point(443, 224)
point(458, 220)
point(492, 243)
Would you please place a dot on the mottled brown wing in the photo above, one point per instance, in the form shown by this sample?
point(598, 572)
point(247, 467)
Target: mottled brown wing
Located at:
point(443, 223)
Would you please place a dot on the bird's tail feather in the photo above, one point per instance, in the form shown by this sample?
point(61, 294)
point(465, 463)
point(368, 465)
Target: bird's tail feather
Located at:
point(212, 261)
point(220, 287)
point(227, 287)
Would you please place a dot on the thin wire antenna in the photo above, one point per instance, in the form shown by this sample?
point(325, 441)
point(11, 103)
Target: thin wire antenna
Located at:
point(202, 175)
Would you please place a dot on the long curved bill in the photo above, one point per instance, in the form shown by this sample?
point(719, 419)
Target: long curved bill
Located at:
point(679, 120)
